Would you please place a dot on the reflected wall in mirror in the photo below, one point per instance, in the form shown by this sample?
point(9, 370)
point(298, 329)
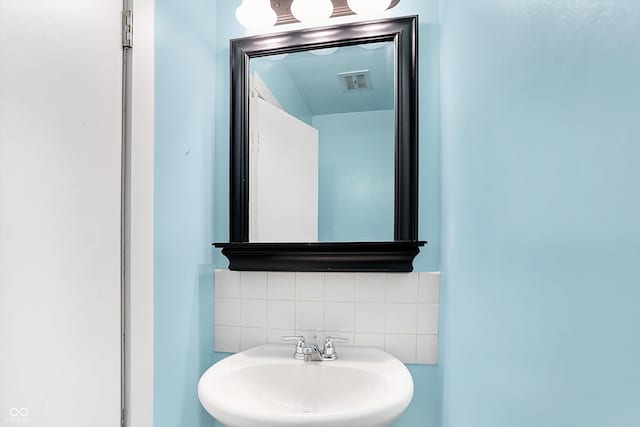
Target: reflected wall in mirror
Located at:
point(322, 143)
point(324, 149)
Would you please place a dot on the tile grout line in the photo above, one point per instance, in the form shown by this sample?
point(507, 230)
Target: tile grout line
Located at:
point(295, 303)
point(266, 298)
point(415, 355)
point(324, 310)
point(353, 309)
point(242, 305)
point(386, 320)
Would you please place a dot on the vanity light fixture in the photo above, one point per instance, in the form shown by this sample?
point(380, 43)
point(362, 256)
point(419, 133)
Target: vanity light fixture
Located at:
point(368, 7)
point(256, 14)
point(264, 14)
point(311, 11)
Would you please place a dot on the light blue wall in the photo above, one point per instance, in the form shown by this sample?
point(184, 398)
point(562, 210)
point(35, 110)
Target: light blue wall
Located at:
point(183, 229)
point(279, 82)
point(356, 156)
point(541, 141)
point(540, 209)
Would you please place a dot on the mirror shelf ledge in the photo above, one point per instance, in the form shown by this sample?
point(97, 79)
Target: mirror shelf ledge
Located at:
point(396, 256)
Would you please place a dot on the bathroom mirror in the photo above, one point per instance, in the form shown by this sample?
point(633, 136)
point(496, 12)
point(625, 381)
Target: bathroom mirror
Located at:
point(324, 160)
point(321, 155)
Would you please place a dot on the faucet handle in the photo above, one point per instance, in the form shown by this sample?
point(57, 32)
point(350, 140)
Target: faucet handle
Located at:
point(299, 338)
point(330, 340)
point(329, 349)
point(299, 353)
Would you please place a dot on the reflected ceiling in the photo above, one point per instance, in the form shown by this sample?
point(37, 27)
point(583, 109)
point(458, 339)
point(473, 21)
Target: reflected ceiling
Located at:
point(317, 77)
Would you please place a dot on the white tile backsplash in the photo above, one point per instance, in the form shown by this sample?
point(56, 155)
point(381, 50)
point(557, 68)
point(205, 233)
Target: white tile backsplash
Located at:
point(395, 312)
point(281, 286)
point(281, 315)
point(227, 284)
point(310, 315)
point(428, 318)
point(227, 339)
point(253, 313)
point(370, 340)
point(339, 316)
point(427, 349)
point(402, 287)
point(340, 287)
point(227, 311)
point(251, 337)
point(401, 346)
point(402, 318)
point(429, 288)
point(274, 336)
point(309, 286)
point(371, 287)
point(370, 317)
point(253, 284)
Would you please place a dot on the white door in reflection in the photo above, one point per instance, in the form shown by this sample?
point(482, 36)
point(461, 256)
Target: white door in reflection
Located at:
point(283, 196)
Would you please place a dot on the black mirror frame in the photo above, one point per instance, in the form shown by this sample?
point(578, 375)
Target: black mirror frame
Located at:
point(395, 256)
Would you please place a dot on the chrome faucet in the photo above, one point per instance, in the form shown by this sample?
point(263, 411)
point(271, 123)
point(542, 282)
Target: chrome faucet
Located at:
point(312, 353)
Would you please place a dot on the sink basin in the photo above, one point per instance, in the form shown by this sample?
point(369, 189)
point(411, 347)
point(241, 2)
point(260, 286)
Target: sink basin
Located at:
point(266, 387)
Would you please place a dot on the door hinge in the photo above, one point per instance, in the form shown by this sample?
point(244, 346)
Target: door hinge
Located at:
point(127, 28)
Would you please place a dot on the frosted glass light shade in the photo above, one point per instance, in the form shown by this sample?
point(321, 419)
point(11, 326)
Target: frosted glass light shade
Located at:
point(311, 10)
point(368, 7)
point(256, 14)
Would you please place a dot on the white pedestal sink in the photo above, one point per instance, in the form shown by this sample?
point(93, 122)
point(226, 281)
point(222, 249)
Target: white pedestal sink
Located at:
point(267, 387)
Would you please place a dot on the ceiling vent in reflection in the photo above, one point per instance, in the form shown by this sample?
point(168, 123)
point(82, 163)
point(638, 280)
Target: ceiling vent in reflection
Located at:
point(355, 81)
